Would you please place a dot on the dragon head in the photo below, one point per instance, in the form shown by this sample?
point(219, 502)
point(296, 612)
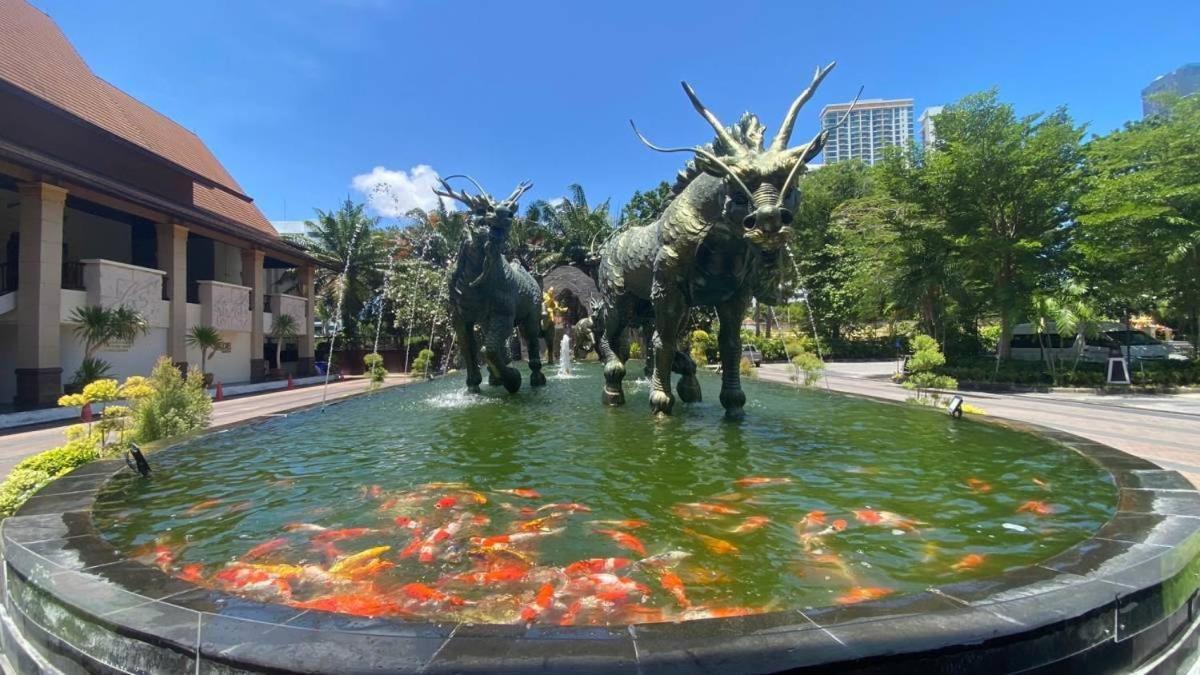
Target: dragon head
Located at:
point(490, 220)
point(759, 179)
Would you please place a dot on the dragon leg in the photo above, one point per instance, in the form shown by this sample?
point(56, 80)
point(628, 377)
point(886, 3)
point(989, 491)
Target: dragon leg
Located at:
point(496, 353)
point(729, 343)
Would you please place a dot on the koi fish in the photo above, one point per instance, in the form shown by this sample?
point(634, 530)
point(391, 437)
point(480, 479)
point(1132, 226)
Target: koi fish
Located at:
point(446, 502)
point(672, 584)
point(623, 524)
point(760, 481)
point(968, 562)
point(340, 535)
point(887, 519)
point(1036, 507)
point(608, 587)
point(281, 571)
point(445, 486)
point(265, 548)
point(428, 546)
point(569, 508)
point(978, 485)
point(597, 565)
point(499, 575)
point(238, 507)
point(667, 559)
point(514, 538)
point(541, 602)
point(351, 561)
point(718, 546)
point(538, 524)
point(731, 497)
point(523, 493)
point(835, 561)
point(862, 594)
point(193, 573)
point(813, 519)
point(751, 524)
point(203, 506)
point(868, 516)
point(372, 491)
point(718, 509)
point(718, 612)
point(303, 527)
point(478, 497)
point(429, 595)
point(369, 569)
point(357, 604)
point(624, 540)
point(408, 523)
point(1041, 483)
point(699, 576)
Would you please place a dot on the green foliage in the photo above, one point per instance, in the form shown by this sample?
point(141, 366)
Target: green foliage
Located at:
point(284, 327)
point(32, 473)
point(746, 368)
point(572, 229)
point(645, 207)
point(922, 376)
point(808, 368)
point(985, 371)
point(374, 367)
point(176, 407)
point(635, 350)
point(90, 369)
point(702, 345)
point(423, 362)
point(205, 338)
point(18, 487)
point(97, 327)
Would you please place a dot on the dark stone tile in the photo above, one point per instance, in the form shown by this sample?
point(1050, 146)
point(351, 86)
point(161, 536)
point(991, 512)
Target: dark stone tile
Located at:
point(1164, 502)
point(1150, 528)
point(477, 648)
point(1101, 557)
point(229, 644)
point(1016, 583)
point(225, 604)
point(58, 503)
point(20, 560)
point(1149, 609)
point(134, 577)
point(1159, 479)
point(73, 483)
point(24, 529)
point(106, 467)
point(897, 606)
point(76, 553)
point(1113, 459)
point(1065, 620)
point(904, 637)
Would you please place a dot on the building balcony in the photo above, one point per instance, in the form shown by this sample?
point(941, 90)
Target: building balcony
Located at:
point(292, 305)
point(224, 306)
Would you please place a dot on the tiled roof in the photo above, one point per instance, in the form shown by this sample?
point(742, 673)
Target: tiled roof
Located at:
point(36, 57)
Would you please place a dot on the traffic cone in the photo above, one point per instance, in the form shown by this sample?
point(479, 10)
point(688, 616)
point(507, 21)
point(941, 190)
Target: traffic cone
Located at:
point(291, 384)
point(85, 413)
point(220, 393)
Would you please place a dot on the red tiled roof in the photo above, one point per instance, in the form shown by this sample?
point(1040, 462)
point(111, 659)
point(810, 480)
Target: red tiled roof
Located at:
point(36, 57)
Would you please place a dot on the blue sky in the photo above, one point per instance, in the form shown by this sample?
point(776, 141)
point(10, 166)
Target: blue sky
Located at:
point(298, 98)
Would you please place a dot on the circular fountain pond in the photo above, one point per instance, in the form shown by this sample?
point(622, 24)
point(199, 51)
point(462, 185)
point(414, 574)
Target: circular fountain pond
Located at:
point(823, 529)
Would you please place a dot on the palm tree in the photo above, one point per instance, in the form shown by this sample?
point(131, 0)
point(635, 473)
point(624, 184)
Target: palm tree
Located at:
point(340, 240)
point(208, 340)
point(283, 327)
point(98, 326)
point(575, 228)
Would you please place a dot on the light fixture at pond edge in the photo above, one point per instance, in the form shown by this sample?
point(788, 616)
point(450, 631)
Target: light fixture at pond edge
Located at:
point(955, 406)
point(136, 460)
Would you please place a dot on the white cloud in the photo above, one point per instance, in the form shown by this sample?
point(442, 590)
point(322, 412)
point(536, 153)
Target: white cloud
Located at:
point(393, 193)
point(286, 226)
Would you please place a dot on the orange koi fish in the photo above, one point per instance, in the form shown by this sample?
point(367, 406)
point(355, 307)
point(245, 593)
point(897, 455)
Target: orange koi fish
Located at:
point(498, 575)
point(429, 595)
point(238, 507)
point(514, 538)
point(1036, 507)
point(718, 612)
point(446, 502)
point(718, 546)
point(868, 516)
point(968, 562)
point(759, 481)
point(665, 559)
point(523, 493)
point(428, 547)
point(751, 524)
point(623, 524)
point(357, 604)
point(340, 535)
point(672, 584)
point(978, 485)
point(539, 524)
point(203, 506)
point(813, 519)
point(303, 527)
point(357, 559)
point(265, 548)
point(597, 566)
point(887, 519)
point(193, 573)
point(541, 602)
point(569, 508)
point(624, 540)
point(862, 594)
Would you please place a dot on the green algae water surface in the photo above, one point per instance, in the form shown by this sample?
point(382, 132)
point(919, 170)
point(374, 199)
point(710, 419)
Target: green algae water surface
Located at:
point(424, 502)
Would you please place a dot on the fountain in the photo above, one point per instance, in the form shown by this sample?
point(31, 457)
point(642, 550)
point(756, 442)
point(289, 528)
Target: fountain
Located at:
point(433, 529)
point(565, 355)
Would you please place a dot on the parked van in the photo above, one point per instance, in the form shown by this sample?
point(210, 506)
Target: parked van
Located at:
point(1113, 339)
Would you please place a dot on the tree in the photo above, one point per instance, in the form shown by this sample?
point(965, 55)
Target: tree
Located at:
point(337, 239)
point(1140, 217)
point(283, 327)
point(1005, 186)
point(644, 207)
point(97, 327)
point(208, 340)
point(575, 228)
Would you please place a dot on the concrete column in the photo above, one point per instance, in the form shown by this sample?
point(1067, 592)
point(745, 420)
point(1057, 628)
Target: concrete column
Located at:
point(172, 259)
point(252, 276)
point(308, 339)
point(39, 295)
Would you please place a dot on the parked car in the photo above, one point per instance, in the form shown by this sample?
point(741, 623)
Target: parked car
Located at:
point(1113, 338)
point(751, 352)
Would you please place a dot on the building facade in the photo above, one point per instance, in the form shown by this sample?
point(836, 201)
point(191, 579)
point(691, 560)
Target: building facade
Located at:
point(106, 202)
point(929, 126)
point(1184, 81)
point(873, 125)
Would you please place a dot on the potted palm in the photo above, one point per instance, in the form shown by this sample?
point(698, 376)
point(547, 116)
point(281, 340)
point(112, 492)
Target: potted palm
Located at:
point(208, 340)
point(283, 327)
point(98, 327)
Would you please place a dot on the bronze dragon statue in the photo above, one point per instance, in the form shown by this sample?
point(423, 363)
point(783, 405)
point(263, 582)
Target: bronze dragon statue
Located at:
point(720, 242)
point(492, 293)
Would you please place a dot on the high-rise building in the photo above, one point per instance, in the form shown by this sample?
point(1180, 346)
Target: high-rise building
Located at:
point(928, 127)
point(873, 125)
point(1184, 81)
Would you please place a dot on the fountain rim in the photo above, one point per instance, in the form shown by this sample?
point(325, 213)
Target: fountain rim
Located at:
point(1127, 592)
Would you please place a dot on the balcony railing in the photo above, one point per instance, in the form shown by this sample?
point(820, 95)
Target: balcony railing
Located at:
point(72, 276)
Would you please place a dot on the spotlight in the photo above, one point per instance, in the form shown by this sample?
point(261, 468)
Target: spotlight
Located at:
point(955, 406)
point(136, 460)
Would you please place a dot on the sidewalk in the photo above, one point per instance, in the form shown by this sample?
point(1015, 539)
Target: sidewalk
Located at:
point(1164, 429)
point(16, 446)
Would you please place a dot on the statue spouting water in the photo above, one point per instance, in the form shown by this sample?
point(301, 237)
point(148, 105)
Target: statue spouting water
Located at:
point(720, 242)
point(494, 294)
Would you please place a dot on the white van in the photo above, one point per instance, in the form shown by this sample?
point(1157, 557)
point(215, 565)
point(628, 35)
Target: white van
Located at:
point(1113, 339)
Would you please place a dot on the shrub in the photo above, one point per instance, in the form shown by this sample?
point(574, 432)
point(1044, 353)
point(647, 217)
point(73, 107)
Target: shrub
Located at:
point(374, 365)
point(921, 377)
point(20, 485)
point(808, 368)
point(423, 362)
point(83, 446)
point(747, 368)
point(176, 406)
point(702, 345)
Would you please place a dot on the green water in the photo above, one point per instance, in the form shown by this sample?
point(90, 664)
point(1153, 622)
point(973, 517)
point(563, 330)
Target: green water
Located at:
point(213, 499)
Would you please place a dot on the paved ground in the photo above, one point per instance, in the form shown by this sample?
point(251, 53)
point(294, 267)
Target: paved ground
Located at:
point(16, 445)
point(1162, 428)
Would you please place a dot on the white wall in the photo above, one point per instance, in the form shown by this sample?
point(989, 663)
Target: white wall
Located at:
point(226, 368)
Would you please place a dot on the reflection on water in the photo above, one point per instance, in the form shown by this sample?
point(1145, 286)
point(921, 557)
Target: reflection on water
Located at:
point(425, 501)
